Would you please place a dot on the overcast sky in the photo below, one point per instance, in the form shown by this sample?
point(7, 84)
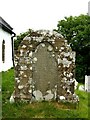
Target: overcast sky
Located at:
point(39, 14)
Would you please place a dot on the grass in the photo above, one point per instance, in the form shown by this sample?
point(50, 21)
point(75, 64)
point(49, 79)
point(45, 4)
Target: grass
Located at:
point(39, 109)
point(0, 96)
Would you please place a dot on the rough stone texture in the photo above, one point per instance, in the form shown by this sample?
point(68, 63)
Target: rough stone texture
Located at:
point(44, 68)
point(87, 83)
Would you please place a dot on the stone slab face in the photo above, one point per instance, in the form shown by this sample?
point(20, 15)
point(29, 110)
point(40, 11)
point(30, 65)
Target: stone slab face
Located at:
point(44, 68)
point(87, 83)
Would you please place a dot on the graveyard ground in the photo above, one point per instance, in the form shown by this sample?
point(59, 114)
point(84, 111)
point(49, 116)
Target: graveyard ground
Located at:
point(42, 109)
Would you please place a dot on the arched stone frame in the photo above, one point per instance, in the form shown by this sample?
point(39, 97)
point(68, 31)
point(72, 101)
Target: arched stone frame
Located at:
point(3, 51)
point(24, 60)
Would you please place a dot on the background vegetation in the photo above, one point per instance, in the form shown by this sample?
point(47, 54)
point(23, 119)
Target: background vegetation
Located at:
point(77, 31)
point(19, 38)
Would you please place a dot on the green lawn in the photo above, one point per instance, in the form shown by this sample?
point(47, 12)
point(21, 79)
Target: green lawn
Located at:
point(42, 109)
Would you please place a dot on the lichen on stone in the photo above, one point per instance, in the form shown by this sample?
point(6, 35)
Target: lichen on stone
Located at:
point(47, 55)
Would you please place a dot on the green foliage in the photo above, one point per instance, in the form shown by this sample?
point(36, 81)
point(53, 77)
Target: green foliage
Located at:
point(77, 31)
point(39, 109)
point(19, 38)
point(7, 84)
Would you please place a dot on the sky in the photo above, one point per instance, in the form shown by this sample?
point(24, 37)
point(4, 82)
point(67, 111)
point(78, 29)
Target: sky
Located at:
point(39, 14)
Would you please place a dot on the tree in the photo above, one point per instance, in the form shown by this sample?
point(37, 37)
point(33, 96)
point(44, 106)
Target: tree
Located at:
point(19, 38)
point(77, 31)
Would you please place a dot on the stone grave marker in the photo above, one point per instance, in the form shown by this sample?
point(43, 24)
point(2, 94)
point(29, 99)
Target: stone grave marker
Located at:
point(44, 68)
point(87, 83)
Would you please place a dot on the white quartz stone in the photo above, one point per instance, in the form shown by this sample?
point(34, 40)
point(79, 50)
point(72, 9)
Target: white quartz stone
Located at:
point(72, 56)
point(56, 48)
point(27, 38)
point(30, 91)
point(20, 87)
point(64, 59)
point(49, 91)
point(73, 60)
point(34, 38)
point(35, 50)
point(30, 54)
point(68, 91)
point(66, 54)
point(43, 45)
point(16, 64)
point(76, 84)
point(66, 63)
point(57, 34)
point(64, 87)
point(21, 72)
point(12, 99)
point(0, 90)
point(64, 73)
point(70, 74)
point(53, 42)
point(39, 39)
point(25, 75)
point(30, 68)
point(65, 78)
point(31, 45)
point(64, 66)
point(59, 61)
point(68, 66)
point(24, 67)
point(21, 52)
point(24, 46)
point(34, 59)
point(53, 55)
point(55, 86)
point(50, 48)
point(66, 41)
point(31, 62)
point(59, 66)
point(81, 88)
point(38, 95)
point(18, 81)
point(62, 98)
point(62, 48)
point(30, 81)
point(49, 96)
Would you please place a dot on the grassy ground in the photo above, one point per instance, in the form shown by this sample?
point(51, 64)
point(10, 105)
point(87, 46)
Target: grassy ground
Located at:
point(42, 109)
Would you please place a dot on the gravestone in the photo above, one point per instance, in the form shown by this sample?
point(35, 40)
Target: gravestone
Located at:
point(87, 83)
point(44, 68)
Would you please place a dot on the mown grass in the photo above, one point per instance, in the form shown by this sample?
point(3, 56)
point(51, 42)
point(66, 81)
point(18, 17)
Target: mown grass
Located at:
point(0, 96)
point(39, 109)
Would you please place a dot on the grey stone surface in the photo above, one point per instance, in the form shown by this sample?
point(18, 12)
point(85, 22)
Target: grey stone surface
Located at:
point(44, 69)
point(87, 83)
point(38, 95)
point(81, 88)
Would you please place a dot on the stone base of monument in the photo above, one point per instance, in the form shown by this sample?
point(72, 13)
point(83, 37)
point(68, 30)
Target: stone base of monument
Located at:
point(44, 68)
point(50, 96)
